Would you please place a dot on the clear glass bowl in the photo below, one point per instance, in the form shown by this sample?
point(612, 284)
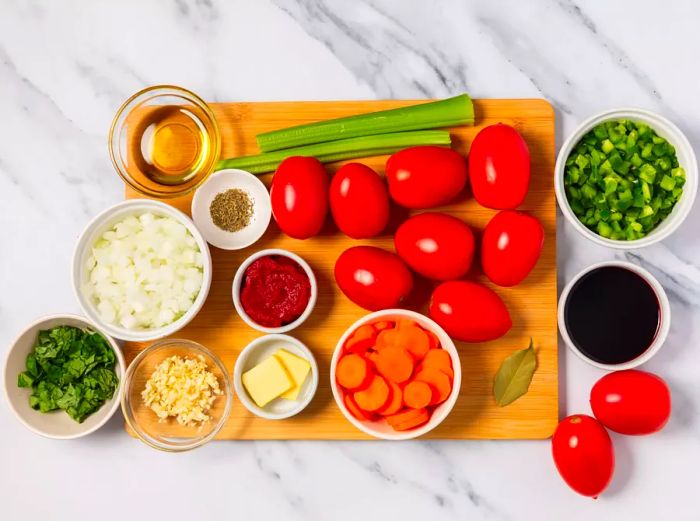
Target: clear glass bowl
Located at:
point(188, 132)
point(169, 435)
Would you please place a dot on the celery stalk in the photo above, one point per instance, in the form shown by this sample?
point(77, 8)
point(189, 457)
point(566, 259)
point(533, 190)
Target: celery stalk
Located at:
point(339, 150)
point(458, 110)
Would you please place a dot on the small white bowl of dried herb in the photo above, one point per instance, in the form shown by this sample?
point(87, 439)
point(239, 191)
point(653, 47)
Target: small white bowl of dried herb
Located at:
point(232, 209)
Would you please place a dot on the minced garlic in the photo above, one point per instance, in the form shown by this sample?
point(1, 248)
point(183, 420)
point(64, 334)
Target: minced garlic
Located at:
point(182, 388)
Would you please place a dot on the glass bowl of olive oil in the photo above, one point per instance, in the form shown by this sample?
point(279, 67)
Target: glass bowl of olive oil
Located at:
point(164, 141)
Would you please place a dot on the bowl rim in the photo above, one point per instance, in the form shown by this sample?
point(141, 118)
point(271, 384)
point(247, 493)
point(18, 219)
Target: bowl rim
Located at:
point(152, 91)
point(227, 389)
point(678, 140)
point(120, 369)
point(664, 312)
point(243, 394)
point(151, 334)
point(266, 211)
point(447, 344)
point(238, 280)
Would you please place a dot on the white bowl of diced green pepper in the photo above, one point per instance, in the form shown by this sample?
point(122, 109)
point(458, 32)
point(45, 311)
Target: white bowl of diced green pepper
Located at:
point(626, 178)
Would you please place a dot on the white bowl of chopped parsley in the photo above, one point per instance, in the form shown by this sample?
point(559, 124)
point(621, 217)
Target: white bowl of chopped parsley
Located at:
point(63, 377)
point(626, 178)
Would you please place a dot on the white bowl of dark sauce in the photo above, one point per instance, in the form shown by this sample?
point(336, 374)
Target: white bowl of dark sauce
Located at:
point(614, 315)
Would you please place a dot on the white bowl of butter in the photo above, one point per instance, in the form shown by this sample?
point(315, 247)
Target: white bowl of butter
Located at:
point(275, 376)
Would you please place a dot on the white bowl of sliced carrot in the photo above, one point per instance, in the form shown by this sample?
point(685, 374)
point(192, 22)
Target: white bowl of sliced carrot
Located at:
point(395, 374)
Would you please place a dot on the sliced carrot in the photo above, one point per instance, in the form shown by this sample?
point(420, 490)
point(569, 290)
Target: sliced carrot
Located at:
point(404, 416)
point(351, 406)
point(438, 381)
point(353, 372)
point(417, 394)
point(383, 324)
point(386, 338)
point(395, 400)
point(433, 339)
point(404, 323)
point(362, 339)
point(418, 420)
point(394, 363)
point(371, 356)
point(406, 334)
point(375, 396)
point(438, 359)
point(413, 339)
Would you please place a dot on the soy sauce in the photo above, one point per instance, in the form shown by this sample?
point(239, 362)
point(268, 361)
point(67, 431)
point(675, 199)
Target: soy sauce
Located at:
point(612, 315)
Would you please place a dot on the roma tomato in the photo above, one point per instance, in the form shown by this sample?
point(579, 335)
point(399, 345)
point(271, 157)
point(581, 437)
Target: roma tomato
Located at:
point(510, 246)
point(631, 402)
point(299, 196)
point(425, 176)
point(435, 245)
point(583, 454)
point(469, 311)
point(359, 202)
point(373, 278)
point(499, 167)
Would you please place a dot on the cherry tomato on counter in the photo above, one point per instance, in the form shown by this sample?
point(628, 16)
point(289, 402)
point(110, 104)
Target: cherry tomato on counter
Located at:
point(469, 311)
point(425, 176)
point(499, 167)
point(510, 247)
point(299, 196)
point(359, 202)
point(583, 454)
point(435, 245)
point(631, 402)
point(373, 278)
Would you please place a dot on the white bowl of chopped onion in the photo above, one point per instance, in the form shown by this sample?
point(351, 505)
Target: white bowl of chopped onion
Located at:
point(141, 270)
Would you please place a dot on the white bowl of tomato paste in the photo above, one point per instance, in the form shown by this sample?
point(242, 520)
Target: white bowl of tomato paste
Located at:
point(274, 291)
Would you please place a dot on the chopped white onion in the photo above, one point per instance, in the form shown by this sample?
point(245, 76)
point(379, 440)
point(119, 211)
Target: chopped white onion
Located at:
point(144, 273)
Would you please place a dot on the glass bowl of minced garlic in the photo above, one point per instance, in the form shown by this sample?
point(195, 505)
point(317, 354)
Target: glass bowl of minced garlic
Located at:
point(177, 395)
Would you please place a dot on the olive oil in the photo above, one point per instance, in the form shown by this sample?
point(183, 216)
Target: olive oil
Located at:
point(164, 142)
point(171, 145)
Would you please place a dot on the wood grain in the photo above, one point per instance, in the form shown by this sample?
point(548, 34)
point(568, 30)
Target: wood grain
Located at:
point(532, 304)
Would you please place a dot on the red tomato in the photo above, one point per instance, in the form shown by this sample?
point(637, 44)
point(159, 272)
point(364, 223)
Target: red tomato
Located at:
point(373, 278)
point(426, 176)
point(469, 311)
point(510, 246)
point(299, 196)
point(583, 454)
point(499, 167)
point(359, 202)
point(435, 245)
point(631, 402)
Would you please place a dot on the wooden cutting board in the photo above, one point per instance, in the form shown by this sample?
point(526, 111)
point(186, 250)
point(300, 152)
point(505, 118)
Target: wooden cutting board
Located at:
point(532, 304)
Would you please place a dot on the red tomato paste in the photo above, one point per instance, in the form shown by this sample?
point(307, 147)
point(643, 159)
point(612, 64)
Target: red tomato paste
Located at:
point(275, 291)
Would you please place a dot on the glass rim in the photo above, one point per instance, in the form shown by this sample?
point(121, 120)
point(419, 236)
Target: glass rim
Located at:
point(126, 108)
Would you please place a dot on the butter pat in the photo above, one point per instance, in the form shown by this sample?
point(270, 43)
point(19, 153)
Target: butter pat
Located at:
point(266, 381)
point(297, 367)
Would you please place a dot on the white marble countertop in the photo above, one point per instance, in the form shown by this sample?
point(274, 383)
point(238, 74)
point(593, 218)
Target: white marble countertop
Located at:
point(66, 66)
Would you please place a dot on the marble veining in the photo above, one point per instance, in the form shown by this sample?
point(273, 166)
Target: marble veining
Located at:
point(66, 66)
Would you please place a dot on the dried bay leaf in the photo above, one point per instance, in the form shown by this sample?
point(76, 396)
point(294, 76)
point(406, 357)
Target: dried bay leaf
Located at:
point(514, 376)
